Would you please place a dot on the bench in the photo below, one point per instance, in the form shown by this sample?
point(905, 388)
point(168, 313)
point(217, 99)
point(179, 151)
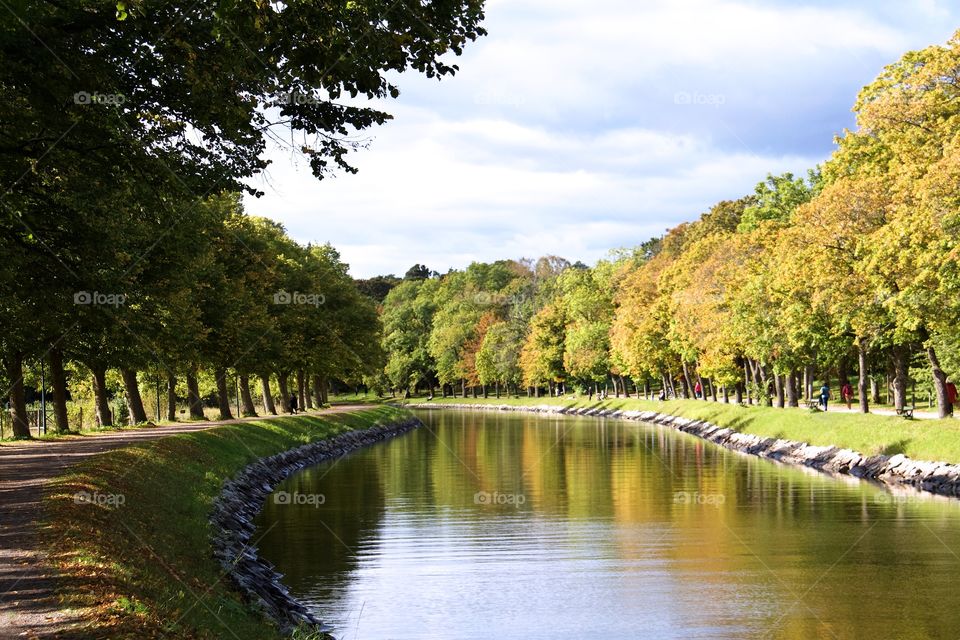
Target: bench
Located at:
point(813, 405)
point(906, 413)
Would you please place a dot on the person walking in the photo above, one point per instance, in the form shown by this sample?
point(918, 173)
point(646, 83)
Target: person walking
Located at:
point(698, 390)
point(846, 392)
point(824, 395)
point(293, 403)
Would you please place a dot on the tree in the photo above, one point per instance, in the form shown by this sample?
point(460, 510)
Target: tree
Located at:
point(541, 358)
point(407, 323)
point(498, 360)
point(777, 198)
point(418, 272)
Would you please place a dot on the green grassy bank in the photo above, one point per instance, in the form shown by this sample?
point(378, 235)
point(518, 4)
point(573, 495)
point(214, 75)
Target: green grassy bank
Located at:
point(867, 433)
point(134, 549)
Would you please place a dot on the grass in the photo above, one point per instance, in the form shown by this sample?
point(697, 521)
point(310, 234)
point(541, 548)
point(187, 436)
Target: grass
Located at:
point(868, 434)
point(135, 560)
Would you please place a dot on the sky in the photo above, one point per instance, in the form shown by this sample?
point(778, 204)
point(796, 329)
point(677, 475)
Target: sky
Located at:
point(580, 126)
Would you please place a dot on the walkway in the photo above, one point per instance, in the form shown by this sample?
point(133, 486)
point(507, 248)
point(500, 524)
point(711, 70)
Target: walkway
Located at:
point(29, 607)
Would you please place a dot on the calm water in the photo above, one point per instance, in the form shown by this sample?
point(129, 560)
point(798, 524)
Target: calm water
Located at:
point(508, 526)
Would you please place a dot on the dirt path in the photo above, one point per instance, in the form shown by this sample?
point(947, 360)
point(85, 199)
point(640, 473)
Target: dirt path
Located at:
point(29, 607)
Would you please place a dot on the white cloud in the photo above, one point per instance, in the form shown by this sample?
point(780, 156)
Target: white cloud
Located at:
point(567, 132)
point(433, 191)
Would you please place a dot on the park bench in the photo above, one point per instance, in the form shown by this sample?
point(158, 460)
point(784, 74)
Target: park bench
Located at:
point(813, 405)
point(906, 412)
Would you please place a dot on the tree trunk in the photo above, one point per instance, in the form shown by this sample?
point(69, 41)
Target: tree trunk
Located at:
point(267, 395)
point(104, 417)
point(13, 364)
point(171, 396)
point(59, 380)
point(301, 390)
point(778, 387)
point(726, 394)
point(308, 390)
point(223, 395)
point(134, 400)
point(317, 390)
point(791, 390)
point(323, 391)
point(193, 396)
point(900, 357)
point(843, 370)
point(738, 393)
point(764, 384)
point(864, 380)
point(246, 399)
point(687, 383)
point(874, 390)
point(939, 383)
point(808, 382)
point(282, 378)
point(746, 379)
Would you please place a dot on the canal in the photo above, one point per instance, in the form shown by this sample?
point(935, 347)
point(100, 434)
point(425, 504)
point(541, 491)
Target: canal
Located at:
point(502, 525)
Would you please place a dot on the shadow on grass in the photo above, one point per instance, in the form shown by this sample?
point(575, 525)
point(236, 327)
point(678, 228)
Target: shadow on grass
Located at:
point(894, 448)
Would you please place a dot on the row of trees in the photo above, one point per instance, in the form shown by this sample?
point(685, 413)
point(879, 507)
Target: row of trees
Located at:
point(234, 294)
point(856, 263)
point(126, 129)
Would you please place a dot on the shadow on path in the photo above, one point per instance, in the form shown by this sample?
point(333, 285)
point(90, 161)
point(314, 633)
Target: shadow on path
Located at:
point(29, 606)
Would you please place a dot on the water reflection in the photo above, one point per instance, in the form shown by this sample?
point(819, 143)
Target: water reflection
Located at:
point(508, 526)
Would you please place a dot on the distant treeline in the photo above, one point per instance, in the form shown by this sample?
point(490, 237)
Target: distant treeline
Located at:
point(852, 270)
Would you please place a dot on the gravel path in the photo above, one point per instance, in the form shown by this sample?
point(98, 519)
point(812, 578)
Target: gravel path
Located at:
point(29, 607)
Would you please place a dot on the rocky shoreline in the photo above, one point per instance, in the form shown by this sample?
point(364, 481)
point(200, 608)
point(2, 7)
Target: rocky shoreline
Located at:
point(243, 497)
point(897, 470)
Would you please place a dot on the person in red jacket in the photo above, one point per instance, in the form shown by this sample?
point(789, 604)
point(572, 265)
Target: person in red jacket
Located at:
point(846, 392)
